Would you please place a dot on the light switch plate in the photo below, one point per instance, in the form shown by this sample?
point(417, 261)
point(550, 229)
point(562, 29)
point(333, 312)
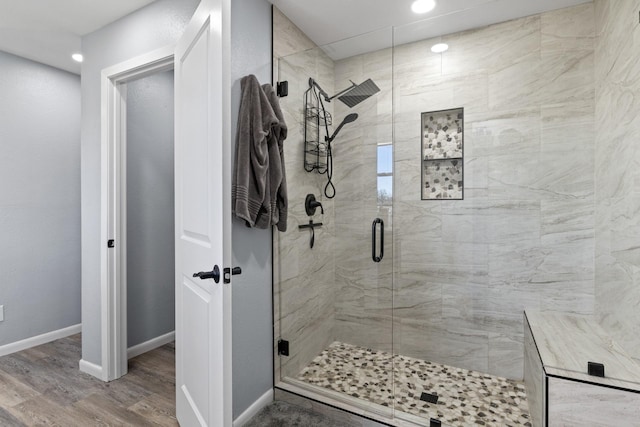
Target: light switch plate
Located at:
point(1, 313)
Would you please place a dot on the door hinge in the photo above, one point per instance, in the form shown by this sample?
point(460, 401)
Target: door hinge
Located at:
point(111, 243)
point(283, 348)
point(282, 89)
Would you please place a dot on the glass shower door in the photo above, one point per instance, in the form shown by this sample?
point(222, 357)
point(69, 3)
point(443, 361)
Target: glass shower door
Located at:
point(333, 301)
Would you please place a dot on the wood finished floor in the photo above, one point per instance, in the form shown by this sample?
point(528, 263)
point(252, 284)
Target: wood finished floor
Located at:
point(42, 386)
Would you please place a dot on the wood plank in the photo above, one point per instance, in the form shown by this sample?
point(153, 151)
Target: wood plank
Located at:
point(125, 391)
point(66, 348)
point(104, 410)
point(151, 379)
point(33, 354)
point(43, 386)
point(40, 411)
point(157, 409)
point(6, 419)
point(162, 359)
point(14, 392)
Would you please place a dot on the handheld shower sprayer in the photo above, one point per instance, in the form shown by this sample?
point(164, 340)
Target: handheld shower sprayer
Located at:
point(348, 119)
point(330, 189)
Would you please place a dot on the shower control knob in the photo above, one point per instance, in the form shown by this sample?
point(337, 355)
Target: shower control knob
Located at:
point(311, 204)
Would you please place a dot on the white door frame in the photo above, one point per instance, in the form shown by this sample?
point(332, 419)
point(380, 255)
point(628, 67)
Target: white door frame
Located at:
point(113, 261)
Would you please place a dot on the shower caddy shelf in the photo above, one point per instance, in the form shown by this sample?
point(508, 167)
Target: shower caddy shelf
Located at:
point(315, 149)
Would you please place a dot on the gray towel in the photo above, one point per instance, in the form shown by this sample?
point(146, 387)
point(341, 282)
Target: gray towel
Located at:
point(250, 191)
point(277, 175)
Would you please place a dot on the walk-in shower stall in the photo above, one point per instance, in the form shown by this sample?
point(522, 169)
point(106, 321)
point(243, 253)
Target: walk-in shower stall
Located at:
point(445, 217)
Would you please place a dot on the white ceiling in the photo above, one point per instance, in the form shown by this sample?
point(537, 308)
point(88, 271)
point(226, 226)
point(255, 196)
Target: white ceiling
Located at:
point(329, 21)
point(49, 31)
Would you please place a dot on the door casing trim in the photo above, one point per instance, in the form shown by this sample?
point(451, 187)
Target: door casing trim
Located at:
point(113, 181)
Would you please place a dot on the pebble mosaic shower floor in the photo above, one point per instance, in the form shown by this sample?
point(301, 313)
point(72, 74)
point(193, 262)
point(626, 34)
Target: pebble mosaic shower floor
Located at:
point(464, 397)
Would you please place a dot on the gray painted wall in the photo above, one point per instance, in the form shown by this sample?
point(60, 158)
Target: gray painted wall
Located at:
point(252, 296)
point(39, 198)
point(150, 28)
point(150, 208)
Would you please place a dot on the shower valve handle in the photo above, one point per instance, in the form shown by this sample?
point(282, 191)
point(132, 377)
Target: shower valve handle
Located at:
point(310, 205)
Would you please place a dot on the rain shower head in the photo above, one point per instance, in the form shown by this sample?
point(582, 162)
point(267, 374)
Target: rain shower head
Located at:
point(348, 119)
point(352, 95)
point(358, 93)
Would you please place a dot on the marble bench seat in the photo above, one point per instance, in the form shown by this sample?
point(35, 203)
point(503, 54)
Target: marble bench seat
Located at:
point(558, 348)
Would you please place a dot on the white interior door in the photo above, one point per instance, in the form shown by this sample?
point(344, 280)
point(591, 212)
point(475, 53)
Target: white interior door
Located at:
point(203, 224)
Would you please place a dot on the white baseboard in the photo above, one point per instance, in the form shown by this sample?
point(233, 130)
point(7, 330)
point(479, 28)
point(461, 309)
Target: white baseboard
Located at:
point(91, 369)
point(152, 344)
point(39, 339)
point(252, 410)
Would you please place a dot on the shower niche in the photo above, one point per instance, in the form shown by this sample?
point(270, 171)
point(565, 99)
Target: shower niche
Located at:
point(442, 148)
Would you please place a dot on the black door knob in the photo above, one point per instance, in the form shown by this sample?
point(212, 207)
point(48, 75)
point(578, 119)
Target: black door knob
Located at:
point(213, 274)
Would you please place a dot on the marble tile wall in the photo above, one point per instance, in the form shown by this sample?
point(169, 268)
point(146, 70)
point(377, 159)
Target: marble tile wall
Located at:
point(533, 378)
point(464, 271)
point(617, 172)
point(573, 403)
point(303, 277)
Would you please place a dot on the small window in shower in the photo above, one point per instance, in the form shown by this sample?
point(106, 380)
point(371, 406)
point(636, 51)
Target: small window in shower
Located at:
point(385, 174)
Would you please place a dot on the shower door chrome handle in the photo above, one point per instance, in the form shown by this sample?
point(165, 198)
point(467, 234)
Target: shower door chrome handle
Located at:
point(374, 228)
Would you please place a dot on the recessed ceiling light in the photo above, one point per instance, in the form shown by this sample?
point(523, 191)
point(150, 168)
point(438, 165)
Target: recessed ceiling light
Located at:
point(439, 48)
point(423, 6)
point(77, 57)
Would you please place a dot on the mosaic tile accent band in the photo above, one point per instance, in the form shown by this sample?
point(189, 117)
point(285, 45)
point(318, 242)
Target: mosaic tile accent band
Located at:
point(464, 397)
